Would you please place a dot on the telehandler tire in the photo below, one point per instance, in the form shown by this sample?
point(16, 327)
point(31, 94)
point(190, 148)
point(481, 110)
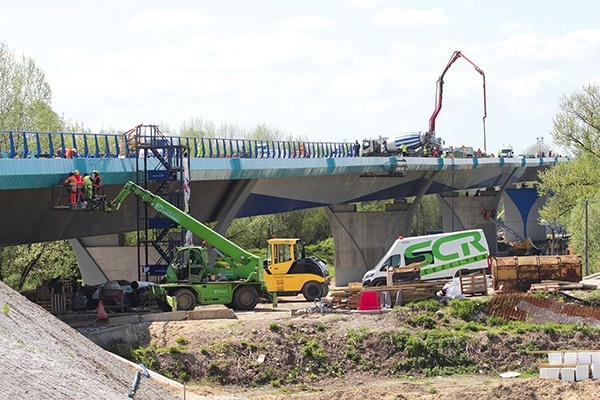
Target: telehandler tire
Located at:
point(186, 300)
point(245, 298)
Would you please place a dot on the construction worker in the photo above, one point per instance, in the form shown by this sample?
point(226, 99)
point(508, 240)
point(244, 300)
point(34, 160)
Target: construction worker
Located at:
point(79, 187)
point(96, 182)
point(87, 188)
point(404, 150)
point(71, 182)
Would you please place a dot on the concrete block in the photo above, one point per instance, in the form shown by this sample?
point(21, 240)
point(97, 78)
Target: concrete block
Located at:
point(595, 357)
point(570, 358)
point(584, 358)
point(211, 313)
point(595, 368)
point(582, 372)
point(165, 316)
point(567, 374)
point(124, 319)
point(555, 358)
point(549, 373)
point(103, 337)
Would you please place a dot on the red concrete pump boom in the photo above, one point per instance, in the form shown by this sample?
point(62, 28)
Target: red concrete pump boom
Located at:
point(440, 87)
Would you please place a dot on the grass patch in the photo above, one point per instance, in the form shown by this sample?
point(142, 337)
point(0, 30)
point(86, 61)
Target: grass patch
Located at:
point(468, 310)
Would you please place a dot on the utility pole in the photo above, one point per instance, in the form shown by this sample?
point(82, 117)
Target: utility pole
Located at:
point(586, 238)
point(540, 142)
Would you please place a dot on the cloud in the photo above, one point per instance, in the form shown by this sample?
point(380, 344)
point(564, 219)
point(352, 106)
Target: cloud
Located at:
point(308, 22)
point(160, 19)
point(364, 3)
point(67, 55)
point(515, 27)
point(529, 86)
point(396, 17)
point(576, 45)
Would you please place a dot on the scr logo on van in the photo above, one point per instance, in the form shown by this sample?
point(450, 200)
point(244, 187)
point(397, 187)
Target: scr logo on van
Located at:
point(449, 248)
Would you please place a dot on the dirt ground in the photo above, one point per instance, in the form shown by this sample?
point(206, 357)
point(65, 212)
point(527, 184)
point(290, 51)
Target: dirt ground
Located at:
point(42, 357)
point(353, 384)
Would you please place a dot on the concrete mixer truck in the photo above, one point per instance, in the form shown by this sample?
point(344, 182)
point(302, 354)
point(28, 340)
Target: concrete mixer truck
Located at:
point(415, 144)
point(422, 143)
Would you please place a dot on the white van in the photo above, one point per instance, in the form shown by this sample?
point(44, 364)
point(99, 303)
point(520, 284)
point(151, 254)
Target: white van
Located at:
point(444, 256)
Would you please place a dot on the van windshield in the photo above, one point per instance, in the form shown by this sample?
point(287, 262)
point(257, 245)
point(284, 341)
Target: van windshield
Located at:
point(393, 261)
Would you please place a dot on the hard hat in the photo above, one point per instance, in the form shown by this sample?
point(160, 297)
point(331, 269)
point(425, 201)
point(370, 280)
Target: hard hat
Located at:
point(76, 172)
point(95, 171)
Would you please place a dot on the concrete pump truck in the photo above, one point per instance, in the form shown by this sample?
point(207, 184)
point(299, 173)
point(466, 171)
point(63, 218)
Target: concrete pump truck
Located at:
point(190, 280)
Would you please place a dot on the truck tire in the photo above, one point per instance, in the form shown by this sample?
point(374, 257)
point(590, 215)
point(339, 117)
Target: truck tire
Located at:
point(312, 290)
point(244, 298)
point(185, 300)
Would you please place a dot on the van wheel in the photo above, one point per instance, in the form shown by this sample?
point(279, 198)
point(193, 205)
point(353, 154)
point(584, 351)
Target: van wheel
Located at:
point(312, 290)
point(379, 282)
point(245, 298)
point(185, 300)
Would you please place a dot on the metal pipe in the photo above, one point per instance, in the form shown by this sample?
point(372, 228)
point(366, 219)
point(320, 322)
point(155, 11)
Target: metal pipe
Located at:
point(136, 382)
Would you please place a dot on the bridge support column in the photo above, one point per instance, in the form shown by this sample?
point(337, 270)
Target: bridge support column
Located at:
point(472, 212)
point(104, 258)
point(521, 216)
point(362, 238)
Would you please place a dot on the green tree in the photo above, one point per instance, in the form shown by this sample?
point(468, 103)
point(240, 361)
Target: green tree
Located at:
point(577, 125)
point(576, 128)
point(199, 127)
point(25, 104)
point(310, 225)
point(24, 267)
point(428, 216)
point(25, 96)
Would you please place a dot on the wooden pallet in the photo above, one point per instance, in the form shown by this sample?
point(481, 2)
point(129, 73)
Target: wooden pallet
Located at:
point(473, 284)
point(555, 286)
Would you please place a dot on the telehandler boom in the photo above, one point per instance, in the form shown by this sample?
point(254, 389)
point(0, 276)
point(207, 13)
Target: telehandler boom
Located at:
point(189, 278)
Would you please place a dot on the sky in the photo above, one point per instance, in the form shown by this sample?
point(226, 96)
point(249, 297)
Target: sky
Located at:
point(335, 70)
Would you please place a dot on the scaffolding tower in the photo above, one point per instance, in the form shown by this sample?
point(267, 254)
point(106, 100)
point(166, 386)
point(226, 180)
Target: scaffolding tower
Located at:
point(163, 169)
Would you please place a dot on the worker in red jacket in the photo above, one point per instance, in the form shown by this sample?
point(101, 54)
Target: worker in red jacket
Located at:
point(71, 182)
point(96, 182)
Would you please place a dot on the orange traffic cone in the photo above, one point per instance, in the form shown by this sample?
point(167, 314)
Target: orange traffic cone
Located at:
point(100, 312)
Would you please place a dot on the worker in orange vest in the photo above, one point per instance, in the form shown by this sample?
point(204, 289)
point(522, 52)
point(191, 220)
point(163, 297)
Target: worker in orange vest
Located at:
point(71, 182)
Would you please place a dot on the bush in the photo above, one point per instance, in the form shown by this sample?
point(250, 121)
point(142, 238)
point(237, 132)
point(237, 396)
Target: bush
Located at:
point(421, 321)
point(429, 305)
point(468, 310)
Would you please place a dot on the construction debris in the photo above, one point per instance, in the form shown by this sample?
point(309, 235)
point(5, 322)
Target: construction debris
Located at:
point(400, 293)
point(536, 309)
point(557, 286)
point(519, 273)
point(572, 365)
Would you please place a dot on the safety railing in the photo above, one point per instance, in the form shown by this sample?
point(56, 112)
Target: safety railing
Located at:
point(25, 144)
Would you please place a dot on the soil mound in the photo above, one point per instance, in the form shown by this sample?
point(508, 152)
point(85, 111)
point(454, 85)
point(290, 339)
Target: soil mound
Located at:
point(43, 358)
